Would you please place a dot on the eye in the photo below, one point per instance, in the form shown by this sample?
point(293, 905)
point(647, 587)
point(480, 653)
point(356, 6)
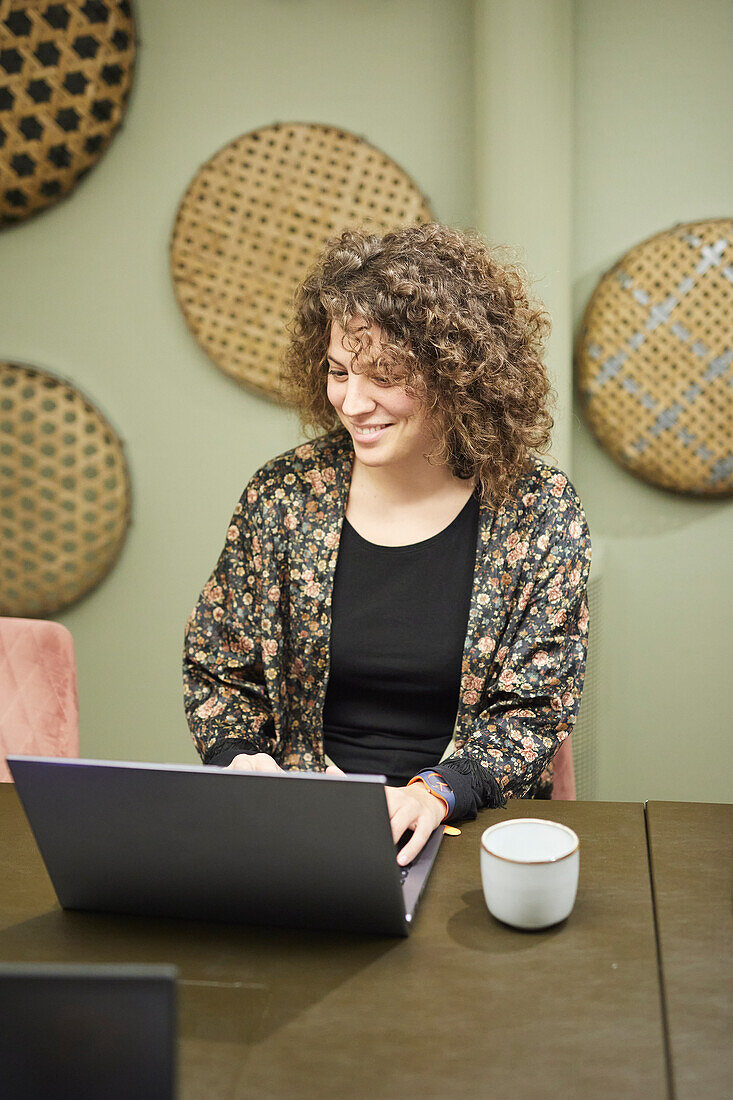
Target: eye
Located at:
point(332, 373)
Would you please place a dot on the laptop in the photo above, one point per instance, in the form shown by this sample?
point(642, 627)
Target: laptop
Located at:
point(74, 1032)
point(299, 849)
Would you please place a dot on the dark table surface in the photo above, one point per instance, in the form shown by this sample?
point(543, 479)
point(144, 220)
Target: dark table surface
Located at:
point(464, 1006)
point(691, 854)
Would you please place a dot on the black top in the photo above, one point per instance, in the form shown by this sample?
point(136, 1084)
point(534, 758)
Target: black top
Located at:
point(399, 618)
point(399, 621)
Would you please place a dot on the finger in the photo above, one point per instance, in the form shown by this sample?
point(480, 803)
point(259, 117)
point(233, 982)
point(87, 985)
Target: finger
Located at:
point(401, 820)
point(269, 766)
point(415, 844)
point(241, 764)
point(263, 763)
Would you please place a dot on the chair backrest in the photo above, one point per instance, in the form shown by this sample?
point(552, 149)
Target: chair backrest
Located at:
point(39, 705)
point(564, 776)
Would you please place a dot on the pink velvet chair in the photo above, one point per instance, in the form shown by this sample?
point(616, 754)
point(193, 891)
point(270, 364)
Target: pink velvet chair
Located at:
point(39, 707)
point(564, 777)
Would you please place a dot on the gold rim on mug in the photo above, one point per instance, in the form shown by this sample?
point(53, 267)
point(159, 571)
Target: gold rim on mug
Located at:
point(533, 821)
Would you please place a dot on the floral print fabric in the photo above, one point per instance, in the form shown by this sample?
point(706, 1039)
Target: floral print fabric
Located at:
point(256, 655)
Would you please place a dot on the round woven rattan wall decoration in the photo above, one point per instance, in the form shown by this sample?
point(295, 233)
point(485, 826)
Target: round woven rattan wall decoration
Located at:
point(654, 359)
point(253, 220)
point(64, 493)
point(65, 75)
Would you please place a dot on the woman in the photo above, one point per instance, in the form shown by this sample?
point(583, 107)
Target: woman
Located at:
point(405, 595)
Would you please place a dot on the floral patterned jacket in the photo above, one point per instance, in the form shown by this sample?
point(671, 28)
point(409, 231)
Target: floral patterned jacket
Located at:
point(256, 656)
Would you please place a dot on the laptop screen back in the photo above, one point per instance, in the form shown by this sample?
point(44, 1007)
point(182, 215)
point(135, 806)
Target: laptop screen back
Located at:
point(296, 849)
point(86, 1031)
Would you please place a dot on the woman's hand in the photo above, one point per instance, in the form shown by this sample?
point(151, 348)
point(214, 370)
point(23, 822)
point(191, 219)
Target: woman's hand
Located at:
point(412, 807)
point(258, 762)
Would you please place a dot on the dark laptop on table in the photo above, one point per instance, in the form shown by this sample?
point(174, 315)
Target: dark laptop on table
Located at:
point(297, 849)
point(77, 1032)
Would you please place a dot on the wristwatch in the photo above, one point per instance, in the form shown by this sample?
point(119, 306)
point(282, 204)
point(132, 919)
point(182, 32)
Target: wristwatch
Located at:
point(437, 785)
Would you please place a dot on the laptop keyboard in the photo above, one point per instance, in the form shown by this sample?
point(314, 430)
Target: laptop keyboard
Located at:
point(404, 871)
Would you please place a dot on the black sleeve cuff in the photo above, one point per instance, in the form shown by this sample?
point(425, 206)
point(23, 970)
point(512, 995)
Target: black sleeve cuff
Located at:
point(225, 756)
point(474, 787)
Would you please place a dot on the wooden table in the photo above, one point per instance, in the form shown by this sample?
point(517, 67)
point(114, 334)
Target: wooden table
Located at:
point(691, 855)
point(465, 1006)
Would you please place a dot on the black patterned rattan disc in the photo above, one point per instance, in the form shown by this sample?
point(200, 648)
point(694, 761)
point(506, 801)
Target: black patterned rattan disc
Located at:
point(66, 71)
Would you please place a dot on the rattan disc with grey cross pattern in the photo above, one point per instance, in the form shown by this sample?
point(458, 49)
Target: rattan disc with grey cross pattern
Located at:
point(66, 71)
point(654, 359)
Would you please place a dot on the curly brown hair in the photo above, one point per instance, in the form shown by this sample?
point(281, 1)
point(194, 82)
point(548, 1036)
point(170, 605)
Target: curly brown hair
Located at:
point(458, 328)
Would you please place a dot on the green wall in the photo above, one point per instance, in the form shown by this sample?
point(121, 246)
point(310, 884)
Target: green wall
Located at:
point(653, 147)
point(87, 293)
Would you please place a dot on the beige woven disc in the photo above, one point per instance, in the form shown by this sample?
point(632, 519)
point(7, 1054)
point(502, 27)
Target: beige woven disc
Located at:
point(64, 493)
point(254, 219)
point(65, 75)
point(654, 359)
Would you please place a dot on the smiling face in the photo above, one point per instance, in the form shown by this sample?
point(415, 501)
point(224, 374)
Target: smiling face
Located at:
point(386, 423)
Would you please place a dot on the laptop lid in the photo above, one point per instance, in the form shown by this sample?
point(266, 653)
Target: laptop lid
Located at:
point(84, 1032)
point(293, 848)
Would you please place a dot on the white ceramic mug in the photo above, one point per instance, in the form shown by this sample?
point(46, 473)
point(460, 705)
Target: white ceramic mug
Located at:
point(529, 871)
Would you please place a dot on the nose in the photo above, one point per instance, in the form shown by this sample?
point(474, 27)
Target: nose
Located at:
point(358, 398)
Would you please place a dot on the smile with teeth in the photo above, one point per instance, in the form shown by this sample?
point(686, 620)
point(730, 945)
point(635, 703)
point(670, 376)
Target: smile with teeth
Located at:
point(370, 429)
